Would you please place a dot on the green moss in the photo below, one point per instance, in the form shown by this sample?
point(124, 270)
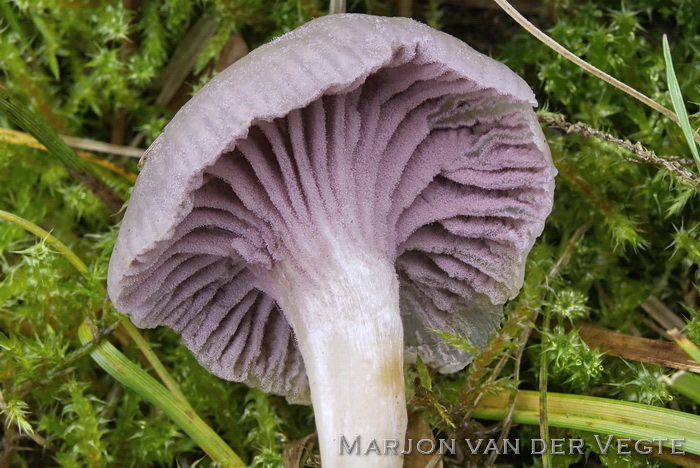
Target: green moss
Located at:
point(91, 69)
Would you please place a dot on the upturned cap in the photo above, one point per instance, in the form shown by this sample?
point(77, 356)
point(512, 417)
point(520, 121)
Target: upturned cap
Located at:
point(379, 131)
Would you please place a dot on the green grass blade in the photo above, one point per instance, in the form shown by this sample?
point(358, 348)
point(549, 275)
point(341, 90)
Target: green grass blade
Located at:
point(687, 345)
point(47, 136)
point(175, 405)
point(155, 362)
point(544, 413)
point(40, 130)
point(678, 104)
point(132, 376)
point(684, 383)
point(599, 415)
point(79, 265)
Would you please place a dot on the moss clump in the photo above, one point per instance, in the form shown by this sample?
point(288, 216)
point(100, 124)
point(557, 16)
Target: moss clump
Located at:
point(620, 231)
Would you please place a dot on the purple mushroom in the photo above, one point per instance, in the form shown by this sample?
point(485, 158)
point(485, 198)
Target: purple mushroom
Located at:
point(318, 207)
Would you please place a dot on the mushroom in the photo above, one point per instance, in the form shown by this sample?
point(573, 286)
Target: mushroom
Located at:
point(322, 204)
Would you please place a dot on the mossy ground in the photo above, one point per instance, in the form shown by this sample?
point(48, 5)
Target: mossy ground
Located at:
point(95, 70)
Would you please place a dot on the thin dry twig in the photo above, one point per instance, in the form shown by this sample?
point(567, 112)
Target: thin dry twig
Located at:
point(101, 147)
point(564, 52)
point(672, 164)
point(662, 314)
point(23, 138)
point(15, 137)
point(337, 6)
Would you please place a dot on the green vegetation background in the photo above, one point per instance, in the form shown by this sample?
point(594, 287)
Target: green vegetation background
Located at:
point(94, 70)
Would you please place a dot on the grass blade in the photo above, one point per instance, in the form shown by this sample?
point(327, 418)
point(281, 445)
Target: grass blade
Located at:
point(131, 330)
point(600, 415)
point(678, 105)
point(684, 383)
point(53, 143)
point(543, 410)
point(132, 376)
point(129, 374)
point(687, 345)
point(40, 130)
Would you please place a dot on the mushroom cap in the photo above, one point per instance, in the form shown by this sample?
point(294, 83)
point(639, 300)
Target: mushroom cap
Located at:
point(381, 132)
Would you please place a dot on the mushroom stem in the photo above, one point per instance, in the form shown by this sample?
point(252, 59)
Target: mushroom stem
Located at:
point(348, 326)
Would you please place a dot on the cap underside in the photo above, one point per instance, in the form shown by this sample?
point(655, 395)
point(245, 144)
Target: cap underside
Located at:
point(445, 174)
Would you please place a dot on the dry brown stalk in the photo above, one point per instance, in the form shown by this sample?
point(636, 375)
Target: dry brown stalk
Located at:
point(15, 137)
point(640, 154)
point(634, 348)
